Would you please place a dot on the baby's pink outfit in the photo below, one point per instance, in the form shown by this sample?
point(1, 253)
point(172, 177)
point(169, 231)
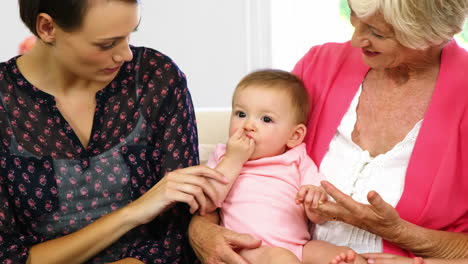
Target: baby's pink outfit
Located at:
point(261, 201)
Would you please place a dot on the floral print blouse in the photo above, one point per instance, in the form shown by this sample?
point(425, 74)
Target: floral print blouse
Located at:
point(51, 185)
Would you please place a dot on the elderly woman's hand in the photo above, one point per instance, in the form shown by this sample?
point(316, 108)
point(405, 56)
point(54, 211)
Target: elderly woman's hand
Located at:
point(377, 217)
point(215, 244)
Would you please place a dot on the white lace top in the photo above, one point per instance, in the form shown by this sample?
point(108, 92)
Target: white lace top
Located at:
point(355, 172)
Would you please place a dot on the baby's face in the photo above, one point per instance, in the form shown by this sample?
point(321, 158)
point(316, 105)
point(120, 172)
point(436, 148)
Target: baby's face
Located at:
point(267, 116)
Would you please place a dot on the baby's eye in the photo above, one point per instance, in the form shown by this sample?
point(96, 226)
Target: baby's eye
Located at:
point(267, 119)
point(240, 114)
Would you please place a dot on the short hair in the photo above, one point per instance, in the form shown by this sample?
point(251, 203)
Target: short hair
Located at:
point(418, 24)
point(68, 14)
point(281, 81)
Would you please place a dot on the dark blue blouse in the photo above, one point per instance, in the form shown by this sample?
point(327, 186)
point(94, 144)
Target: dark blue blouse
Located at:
point(51, 185)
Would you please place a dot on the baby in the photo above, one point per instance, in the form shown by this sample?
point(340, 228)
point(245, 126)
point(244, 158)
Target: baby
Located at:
point(273, 184)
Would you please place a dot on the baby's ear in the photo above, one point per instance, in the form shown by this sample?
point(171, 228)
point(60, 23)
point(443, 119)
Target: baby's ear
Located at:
point(297, 136)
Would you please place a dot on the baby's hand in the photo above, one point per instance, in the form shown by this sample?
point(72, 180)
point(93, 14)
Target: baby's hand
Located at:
point(311, 196)
point(239, 146)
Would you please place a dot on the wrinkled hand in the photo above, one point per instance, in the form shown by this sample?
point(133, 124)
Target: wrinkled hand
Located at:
point(310, 197)
point(214, 244)
point(240, 147)
point(377, 217)
point(188, 185)
point(383, 258)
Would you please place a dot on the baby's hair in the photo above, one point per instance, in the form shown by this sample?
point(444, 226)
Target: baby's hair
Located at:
point(283, 81)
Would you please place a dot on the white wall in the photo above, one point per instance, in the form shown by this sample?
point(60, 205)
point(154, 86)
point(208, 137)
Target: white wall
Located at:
point(13, 30)
point(215, 42)
point(297, 25)
point(211, 40)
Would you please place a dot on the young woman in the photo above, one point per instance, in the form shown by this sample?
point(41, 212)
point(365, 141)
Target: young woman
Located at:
point(95, 136)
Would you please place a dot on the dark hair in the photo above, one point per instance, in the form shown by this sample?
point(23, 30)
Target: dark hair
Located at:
point(68, 14)
point(282, 81)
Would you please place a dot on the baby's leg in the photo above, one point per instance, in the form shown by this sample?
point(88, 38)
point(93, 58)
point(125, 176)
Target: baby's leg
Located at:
point(269, 255)
point(321, 252)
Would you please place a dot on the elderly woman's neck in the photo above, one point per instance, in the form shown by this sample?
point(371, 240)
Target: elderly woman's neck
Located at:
point(425, 66)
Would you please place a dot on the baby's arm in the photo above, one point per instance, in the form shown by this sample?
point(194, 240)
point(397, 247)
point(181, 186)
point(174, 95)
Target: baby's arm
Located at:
point(310, 196)
point(239, 148)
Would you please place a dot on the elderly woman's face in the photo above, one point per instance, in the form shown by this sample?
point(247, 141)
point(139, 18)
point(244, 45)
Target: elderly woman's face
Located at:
point(376, 38)
point(98, 49)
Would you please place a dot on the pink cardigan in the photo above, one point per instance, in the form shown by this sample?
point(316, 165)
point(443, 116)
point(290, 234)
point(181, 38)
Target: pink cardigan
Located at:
point(436, 186)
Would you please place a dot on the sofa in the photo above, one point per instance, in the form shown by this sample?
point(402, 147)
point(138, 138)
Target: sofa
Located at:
point(213, 128)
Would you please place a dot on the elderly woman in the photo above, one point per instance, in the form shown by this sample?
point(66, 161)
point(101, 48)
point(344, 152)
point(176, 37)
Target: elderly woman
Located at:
point(95, 135)
point(390, 107)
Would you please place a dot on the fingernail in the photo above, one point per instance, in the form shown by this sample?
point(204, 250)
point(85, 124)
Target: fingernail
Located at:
point(370, 261)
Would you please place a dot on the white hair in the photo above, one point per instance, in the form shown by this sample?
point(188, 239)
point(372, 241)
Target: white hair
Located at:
point(418, 24)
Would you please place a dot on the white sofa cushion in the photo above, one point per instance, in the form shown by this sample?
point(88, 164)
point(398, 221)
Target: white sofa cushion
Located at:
point(213, 128)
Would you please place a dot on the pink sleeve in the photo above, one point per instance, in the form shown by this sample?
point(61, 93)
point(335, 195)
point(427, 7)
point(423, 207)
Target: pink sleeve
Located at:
point(309, 172)
point(216, 156)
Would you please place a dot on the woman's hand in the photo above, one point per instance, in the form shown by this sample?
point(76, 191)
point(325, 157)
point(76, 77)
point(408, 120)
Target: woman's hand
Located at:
point(128, 261)
point(214, 244)
point(381, 219)
point(377, 217)
point(383, 258)
point(188, 185)
point(310, 197)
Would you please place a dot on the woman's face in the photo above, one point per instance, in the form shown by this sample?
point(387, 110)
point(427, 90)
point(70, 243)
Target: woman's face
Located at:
point(97, 50)
point(376, 38)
